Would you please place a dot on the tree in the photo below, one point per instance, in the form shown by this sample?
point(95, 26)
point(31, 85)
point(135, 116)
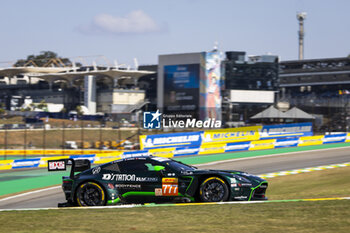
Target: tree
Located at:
point(2, 109)
point(45, 59)
point(79, 110)
point(42, 105)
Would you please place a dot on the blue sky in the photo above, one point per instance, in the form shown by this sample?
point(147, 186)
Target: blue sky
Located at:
point(124, 30)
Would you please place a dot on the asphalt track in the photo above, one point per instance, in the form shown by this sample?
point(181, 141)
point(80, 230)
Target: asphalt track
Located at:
point(255, 165)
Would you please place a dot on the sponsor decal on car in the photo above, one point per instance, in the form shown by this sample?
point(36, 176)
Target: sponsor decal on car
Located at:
point(119, 177)
point(187, 173)
point(127, 177)
point(158, 192)
point(246, 184)
point(57, 165)
point(96, 170)
point(128, 186)
point(170, 186)
point(147, 179)
point(169, 180)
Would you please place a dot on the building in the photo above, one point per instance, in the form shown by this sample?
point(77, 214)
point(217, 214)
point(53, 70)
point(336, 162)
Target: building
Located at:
point(203, 84)
point(190, 84)
point(149, 84)
point(320, 87)
point(250, 86)
point(111, 90)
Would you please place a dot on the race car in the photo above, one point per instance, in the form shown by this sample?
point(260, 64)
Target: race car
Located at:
point(149, 179)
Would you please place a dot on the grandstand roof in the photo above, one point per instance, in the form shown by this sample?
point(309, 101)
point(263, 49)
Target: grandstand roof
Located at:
point(272, 112)
point(296, 113)
point(69, 72)
point(12, 71)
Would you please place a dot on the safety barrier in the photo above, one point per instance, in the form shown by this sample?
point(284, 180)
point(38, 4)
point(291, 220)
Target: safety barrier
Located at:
point(222, 136)
point(34, 152)
point(42, 161)
point(214, 148)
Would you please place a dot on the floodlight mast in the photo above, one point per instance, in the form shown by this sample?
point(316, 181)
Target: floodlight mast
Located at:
point(301, 17)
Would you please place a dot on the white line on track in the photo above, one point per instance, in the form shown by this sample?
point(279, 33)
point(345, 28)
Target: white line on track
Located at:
point(29, 193)
point(265, 156)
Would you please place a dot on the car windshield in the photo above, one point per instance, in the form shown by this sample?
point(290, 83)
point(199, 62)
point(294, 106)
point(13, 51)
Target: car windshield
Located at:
point(178, 166)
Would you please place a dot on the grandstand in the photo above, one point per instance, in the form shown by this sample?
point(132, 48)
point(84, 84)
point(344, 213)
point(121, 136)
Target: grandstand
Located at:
point(113, 90)
point(320, 87)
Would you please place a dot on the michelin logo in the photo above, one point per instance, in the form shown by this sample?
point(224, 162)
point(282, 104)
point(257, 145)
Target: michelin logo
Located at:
point(183, 139)
point(151, 120)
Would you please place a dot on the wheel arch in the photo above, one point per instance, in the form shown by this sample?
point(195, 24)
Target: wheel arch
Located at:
point(206, 176)
point(86, 181)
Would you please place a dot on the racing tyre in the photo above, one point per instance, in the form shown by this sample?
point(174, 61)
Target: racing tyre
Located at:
point(90, 194)
point(213, 189)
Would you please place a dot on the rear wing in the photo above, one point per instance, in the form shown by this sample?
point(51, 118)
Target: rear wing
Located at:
point(78, 165)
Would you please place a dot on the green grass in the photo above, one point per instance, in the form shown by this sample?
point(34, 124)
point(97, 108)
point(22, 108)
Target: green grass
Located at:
point(317, 184)
point(316, 216)
point(324, 216)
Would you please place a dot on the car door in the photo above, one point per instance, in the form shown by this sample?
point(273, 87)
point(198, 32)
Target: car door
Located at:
point(136, 183)
point(168, 186)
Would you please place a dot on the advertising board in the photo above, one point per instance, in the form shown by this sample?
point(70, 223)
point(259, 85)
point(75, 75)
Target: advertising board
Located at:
point(286, 130)
point(210, 86)
point(249, 133)
point(170, 140)
point(232, 135)
point(181, 85)
point(245, 96)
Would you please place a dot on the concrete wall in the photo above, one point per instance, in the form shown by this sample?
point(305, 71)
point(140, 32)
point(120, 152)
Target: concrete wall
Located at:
point(118, 97)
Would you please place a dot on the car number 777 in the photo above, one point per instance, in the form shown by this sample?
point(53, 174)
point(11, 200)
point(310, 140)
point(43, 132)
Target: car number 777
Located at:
point(170, 190)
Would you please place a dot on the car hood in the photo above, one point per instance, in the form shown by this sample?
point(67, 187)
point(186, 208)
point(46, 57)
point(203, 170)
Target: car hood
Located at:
point(228, 173)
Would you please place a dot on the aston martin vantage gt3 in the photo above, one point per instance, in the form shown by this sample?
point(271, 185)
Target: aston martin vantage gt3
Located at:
point(149, 179)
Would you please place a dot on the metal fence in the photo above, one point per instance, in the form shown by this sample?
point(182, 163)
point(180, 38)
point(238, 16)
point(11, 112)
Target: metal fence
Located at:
point(80, 135)
point(83, 136)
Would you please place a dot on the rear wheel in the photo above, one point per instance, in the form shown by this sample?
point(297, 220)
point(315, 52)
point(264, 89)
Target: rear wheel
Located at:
point(90, 194)
point(213, 189)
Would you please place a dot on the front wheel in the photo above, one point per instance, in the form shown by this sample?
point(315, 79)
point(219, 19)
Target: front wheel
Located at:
point(90, 194)
point(213, 189)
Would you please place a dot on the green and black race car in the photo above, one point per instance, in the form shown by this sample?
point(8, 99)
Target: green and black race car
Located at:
point(149, 179)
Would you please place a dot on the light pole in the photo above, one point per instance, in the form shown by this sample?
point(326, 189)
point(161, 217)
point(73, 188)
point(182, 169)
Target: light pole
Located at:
point(301, 17)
